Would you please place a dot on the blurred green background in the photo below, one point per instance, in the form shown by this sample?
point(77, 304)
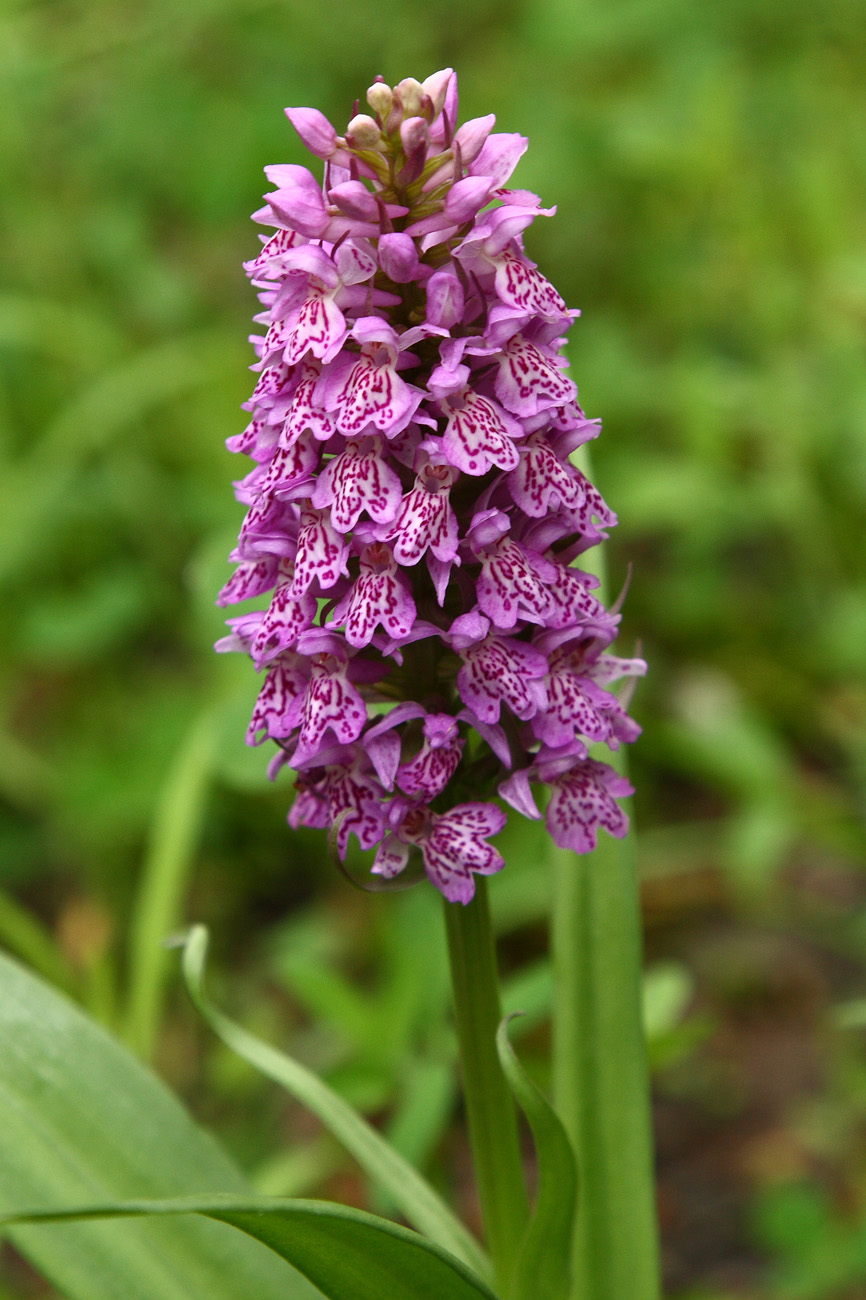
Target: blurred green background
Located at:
point(709, 164)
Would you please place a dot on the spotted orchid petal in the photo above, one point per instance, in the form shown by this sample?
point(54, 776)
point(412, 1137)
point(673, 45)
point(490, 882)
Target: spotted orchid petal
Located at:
point(286, 618)
point(321, 552)
point(358, 480)
point(272, 715)
point(499, 670)
point(479, 434)
point(428, 773)
point(368, 392)
point(583, 799)
point(528, 381)
point(379, 597)
point(425, 519)
point(513, 584)
point(330, 703)
point(542, 481)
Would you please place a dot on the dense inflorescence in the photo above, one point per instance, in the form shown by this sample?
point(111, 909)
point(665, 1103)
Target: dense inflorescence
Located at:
point(413, 509)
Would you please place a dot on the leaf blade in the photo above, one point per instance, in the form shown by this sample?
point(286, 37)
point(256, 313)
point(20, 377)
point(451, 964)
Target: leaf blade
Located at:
point(543, 1268)
point(82, 1119)
point(408, 1190)
point(347, 1253)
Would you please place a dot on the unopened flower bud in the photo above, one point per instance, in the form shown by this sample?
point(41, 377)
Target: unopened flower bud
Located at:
point(409, 93)
point(380, 98)
point(414, 135)
point(363, 133)
point(436, 87)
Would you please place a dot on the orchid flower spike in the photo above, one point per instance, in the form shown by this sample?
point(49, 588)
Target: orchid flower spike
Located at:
point(413, 512)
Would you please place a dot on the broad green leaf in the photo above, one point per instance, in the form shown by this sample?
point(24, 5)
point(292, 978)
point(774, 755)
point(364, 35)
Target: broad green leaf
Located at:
point(80, 1120)
point(544, 1265)
point(347, 1253)
point(393, 1175)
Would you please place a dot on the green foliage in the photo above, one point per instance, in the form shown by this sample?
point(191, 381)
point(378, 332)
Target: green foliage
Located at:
point(385, 1166)
point(81, 1118)
point(348, 1254)
point(543, 1269)
point(83, 1121)
point(818, 1252)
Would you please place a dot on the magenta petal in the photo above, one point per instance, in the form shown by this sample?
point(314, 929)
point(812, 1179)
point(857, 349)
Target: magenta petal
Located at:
point(456, 847)
point(356, 480)
point(305, 414)
point(299, 199)
point(271, 715)
point(425, 519)
point(249, 579)
point(398, 257)
point(378, 597)
point(516, 791)
point(542, 480)
point(581, 800)
point(575, 706)
point(465, 198)
point(519, 284)
point(445, 299)
point(529, 382)
point(355, 804)
point(320, 328)
point(511, 586)
point(332, 703)
point(290, 465)
point(472, 135)
point(609, 668)
point(428, 773)
point(479, 434)
point(314, 129)
point(321, 553)
point(499, 157)
point(374, 394)
point(391, 857)
point(384, 752)
point(287, 617)
point(500, 670)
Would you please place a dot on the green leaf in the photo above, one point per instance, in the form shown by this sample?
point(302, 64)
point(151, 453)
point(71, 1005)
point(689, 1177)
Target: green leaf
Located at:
point(347, 1253)
point(82, 1120)
point(388, 1170)
point(174, 839)
point(544, 1264)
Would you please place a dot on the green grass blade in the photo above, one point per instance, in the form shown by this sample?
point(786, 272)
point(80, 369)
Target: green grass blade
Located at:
point(347, 1253)
point(543, 1269)
point(386, 1168)
point(28, 939)
point(173, 843)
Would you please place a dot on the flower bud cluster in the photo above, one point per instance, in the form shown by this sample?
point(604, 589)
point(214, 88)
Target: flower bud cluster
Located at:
point(412, 508)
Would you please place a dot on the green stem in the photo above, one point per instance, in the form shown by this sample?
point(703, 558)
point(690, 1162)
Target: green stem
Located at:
point(600, 1073)
point(490, 1110)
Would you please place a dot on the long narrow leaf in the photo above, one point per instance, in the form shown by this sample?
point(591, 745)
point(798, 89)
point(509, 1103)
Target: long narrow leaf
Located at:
point(543, 1267)
point(393, 1175)
point(347, 1253)
point(166, 868)
point(82, 1120)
